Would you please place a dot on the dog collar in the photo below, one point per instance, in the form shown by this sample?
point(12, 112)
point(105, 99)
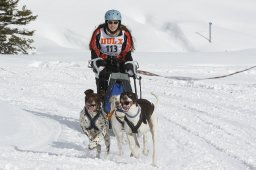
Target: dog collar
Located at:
point(119, 109)
point(138, 112)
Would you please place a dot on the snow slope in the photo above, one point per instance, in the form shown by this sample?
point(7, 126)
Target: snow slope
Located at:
point(158, 26)
point(207, 124)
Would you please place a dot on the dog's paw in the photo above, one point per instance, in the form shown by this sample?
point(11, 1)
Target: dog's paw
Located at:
point(98, 155)
point(154, 165)
point(98, 151)
point(92, 145)
point(145, 152)
point(135, 154)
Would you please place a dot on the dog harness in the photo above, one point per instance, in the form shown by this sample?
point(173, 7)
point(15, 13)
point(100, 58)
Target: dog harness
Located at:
point(146, 110)
point(120, 121)
point(133, 127)
point(92, 119)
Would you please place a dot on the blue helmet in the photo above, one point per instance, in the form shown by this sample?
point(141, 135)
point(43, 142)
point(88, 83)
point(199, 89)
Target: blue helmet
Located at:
point(113, 15)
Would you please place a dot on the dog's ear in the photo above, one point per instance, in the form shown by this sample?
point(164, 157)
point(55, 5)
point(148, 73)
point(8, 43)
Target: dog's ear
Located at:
point(132, 96)
point(88, 91)
point(111, 99)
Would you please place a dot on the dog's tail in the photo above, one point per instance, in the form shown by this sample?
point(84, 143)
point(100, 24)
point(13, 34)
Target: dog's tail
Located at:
point(157, 100)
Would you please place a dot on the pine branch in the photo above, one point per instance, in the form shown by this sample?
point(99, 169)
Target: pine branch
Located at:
point(13, 39)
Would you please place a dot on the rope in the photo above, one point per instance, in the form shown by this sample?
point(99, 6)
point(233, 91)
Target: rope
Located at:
point(109, 115)
point(189, 78)
point(237, 72)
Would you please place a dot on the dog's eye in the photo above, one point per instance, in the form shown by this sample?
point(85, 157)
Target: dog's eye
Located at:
point(125, 103)
point(130, 95)
point(91, 105)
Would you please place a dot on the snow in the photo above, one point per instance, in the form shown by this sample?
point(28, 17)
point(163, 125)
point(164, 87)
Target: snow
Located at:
point(203, 123)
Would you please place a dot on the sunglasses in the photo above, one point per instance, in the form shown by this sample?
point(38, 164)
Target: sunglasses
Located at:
point(125, 103)
point(113, 22)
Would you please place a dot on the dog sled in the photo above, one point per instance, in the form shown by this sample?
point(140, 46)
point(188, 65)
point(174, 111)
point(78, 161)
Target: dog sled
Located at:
point(118, 81)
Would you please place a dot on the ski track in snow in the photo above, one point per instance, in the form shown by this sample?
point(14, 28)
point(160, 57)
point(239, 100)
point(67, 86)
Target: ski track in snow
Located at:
point(231, 130)
point(202, 124)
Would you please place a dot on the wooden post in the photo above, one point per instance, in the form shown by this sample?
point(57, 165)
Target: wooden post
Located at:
point(210, 32)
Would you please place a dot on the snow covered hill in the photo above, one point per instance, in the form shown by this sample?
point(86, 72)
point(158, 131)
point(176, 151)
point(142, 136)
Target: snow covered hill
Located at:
point(157, 26)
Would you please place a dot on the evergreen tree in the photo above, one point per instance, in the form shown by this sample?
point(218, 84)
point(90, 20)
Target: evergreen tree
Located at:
point(13, 38)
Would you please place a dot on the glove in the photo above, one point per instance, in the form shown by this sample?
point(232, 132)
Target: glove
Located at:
point(101, 63)
point(130, 73)
point(92, 145)
point(129, 69)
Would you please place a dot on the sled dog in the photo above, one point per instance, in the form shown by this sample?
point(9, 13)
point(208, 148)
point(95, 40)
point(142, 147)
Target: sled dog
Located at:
point(117, 120)
point(139, 119)
point(93, 122)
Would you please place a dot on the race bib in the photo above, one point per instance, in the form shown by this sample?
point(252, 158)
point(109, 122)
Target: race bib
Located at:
point(111, 46)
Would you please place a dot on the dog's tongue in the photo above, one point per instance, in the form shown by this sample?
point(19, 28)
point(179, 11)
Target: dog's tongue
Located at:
point(126, 108)
point(91, 110)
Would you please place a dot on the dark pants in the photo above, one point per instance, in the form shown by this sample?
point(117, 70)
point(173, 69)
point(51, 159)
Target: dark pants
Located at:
point(102, 81)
